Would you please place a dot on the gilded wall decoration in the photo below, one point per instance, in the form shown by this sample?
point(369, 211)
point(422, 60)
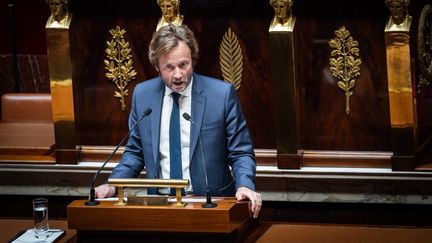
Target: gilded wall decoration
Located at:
point(399, 19)
point(60, 16)
point(424, 52)
point(170, 13)
point(119, 64)
point(345, 62)
point(231, 59)
point(283, 19)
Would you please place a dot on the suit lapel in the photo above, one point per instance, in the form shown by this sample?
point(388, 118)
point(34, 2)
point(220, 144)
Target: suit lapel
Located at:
point(157, 100)
point(197, 110)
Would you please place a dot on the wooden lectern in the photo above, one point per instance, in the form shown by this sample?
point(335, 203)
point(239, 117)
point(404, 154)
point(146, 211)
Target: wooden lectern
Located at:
point(107, 222)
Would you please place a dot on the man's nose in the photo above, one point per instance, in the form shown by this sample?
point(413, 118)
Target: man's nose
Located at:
point(177, 73)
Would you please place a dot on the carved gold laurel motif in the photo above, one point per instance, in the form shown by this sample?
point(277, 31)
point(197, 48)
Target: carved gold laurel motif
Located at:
point(231, 59)
point(344, 65)
point(119, 64)
point(424, 49)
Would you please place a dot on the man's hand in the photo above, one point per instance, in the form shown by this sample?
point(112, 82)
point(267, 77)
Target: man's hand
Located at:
point(254, 197)
point(105, 190)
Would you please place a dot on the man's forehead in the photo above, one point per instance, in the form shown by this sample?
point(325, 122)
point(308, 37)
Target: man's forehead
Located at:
point(175, 61)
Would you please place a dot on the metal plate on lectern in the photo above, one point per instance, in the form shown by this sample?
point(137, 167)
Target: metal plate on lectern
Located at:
point(148, 200)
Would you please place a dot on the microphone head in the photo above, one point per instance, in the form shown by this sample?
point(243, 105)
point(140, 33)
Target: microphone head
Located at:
point(147, 111)
point(186, 116)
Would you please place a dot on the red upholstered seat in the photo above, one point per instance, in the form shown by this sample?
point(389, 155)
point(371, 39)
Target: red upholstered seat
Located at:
point(27, 128)
point(26, 108)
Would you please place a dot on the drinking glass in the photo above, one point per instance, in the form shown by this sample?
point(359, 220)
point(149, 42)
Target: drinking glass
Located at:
point(40, 217)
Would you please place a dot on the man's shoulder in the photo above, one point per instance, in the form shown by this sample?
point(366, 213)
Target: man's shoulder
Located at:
point(153, 83)
point(211, 81)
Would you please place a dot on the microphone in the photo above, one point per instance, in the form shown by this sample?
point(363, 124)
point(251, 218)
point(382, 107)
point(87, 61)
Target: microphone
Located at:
point(92, 201)
point(209, 203)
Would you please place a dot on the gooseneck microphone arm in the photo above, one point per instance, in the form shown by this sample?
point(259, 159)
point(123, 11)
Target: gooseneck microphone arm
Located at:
point(209, 203)
point(92, 201)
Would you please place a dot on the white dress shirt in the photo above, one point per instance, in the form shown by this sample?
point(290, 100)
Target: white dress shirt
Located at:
point(184, 106)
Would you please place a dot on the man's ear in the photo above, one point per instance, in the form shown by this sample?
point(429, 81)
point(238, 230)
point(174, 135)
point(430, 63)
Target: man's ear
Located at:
point(157, 68)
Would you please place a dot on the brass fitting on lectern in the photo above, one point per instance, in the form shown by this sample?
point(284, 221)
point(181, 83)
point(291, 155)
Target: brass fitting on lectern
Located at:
point(120, 183)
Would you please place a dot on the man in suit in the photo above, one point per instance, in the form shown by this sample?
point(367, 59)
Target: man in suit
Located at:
point(215, 110)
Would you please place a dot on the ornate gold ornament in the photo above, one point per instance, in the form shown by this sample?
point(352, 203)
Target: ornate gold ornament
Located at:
point(344, 65)
point(424, 49)
point(60, 17)
point(170, 13)
point(119, 64)
point(231, 59)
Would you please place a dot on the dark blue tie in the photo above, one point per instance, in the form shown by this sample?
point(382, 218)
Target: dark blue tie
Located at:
point(174, 139)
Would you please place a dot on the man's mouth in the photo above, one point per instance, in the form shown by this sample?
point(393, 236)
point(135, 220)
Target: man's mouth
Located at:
point(177, 85)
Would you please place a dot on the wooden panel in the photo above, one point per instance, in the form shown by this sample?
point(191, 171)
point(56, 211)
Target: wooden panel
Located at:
point(324, 124)
point(99, 116)
point(423, 95)
point(343, 233)
point(225, 218)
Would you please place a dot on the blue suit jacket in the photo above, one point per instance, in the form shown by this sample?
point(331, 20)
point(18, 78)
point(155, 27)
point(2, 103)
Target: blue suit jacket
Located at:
point(230, 160)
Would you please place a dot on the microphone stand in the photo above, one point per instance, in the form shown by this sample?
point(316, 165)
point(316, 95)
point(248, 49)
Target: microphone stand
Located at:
point(92, 201)
point(209, 203)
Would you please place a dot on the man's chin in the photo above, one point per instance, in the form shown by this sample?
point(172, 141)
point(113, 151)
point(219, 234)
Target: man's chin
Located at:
point(177, 89)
